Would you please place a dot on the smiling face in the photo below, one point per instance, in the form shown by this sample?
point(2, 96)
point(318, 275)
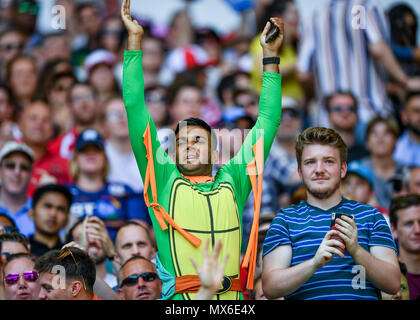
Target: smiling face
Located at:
point(194, 156)
point(321, 170)
point(407, 230)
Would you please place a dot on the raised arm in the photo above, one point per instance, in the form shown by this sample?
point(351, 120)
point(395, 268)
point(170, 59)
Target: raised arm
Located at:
point(269, 114)
point(135, 31)
point(133, 94)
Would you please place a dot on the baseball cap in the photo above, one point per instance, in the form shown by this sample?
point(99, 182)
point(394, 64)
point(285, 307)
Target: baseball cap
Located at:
point(362, 170)
point(13, 146)
point(289, 103)
point(97, 57)
point(89, 137)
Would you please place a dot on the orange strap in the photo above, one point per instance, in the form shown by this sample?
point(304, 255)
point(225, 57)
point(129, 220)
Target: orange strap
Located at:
point(198, 179)
point(191, 284)
point(255, 168)
point(160, 213)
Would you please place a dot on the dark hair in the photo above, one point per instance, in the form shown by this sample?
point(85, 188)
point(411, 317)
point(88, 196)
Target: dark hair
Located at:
point(411, 93)
point(12, 222)
point(327, 99)
point(391, 124)
point(81, 267)
point(399, 28)
point(198, 123)
point(175, 88)
point(402, 202)
point(322, 136)
point(14, 237)
point(39, 193)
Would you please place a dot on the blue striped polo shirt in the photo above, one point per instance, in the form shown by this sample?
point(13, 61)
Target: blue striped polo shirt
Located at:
point(304, 227)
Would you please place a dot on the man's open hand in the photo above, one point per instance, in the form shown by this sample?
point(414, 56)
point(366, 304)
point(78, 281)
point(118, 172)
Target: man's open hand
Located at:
point(272, 48)
point(132, 26)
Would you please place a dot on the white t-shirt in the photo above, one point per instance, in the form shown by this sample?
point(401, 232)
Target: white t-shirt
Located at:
point(123, 168)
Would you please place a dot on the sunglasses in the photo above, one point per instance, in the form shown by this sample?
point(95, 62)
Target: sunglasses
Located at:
point(12, 46)
point(290, 114)
point(13, 278)
point(22, 166)
point(8, 229)
point(65, 253)
point(134, 278)
point(349, 108)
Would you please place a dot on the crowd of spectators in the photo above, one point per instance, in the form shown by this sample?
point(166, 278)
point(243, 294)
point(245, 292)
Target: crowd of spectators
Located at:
point(67, 170)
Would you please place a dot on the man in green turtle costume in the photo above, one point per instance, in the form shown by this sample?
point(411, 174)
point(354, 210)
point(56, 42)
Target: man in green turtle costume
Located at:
point(186, 203)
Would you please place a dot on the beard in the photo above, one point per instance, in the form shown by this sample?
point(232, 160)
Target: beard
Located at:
point(324, 193)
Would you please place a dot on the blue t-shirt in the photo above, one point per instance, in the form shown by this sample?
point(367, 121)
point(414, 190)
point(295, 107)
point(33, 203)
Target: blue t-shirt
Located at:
point(24, 223)
point(304, 227)
point(115, 201)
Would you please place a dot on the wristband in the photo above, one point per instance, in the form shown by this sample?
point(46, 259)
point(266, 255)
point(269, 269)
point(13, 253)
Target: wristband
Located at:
point(271, 60)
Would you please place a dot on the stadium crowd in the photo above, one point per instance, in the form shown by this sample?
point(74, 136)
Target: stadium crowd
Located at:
point(71, 193)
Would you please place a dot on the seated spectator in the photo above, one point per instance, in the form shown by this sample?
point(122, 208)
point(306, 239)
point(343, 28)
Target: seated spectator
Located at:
point(358, 185)
point(12, 43)
point(407, 151)
point(8, 116)
point(11, 243)
point(16, 160)
point(93, 195)
point(403, 293)
point(7, 225)
point(22, 78)
point(139, 280)
point(83, 104)
point(92, 235)
point(99, 65)
point(37, 128)
point(50, 210)
point(405, 226)
point(343, 117)
point(414, 182)
point(118, 146)
point(381, 138)
point(80, 275)
point(134, 239)
point(20, 278)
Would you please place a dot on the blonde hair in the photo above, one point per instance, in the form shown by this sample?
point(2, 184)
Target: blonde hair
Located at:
point(74, 169)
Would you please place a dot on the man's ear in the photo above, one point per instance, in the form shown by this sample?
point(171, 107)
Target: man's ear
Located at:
point(75, 288)
point(394, 232)
point(121, 294)
point(343, 170)
point(214, 157)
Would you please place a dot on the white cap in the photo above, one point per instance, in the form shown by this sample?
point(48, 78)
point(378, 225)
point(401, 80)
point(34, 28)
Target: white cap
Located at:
point(13, 146)
point(99, 56)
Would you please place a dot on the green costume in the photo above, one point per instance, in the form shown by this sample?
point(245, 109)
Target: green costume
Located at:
point(206, 210)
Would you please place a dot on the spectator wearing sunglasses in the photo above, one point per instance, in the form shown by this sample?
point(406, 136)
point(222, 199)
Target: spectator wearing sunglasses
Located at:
point(80, 275)
point(343, 116)
point(12, 43)
point(20, 279)
point(12, 243)
point(16, 160)
point(7, 225)
point(139, 280)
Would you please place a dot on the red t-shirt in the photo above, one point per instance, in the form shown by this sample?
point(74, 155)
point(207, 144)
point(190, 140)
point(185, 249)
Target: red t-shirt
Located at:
point(52, 165)
point(64, 144)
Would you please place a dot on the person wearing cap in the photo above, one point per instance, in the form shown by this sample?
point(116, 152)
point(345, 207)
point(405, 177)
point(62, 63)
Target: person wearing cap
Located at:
point(187, 204)
point(50, 210)
point(16, 161)
point(36, 126)
point(99, 65)
point(93, 195)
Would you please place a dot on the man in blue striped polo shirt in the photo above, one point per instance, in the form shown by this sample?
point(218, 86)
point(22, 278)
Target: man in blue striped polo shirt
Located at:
point(301, 258)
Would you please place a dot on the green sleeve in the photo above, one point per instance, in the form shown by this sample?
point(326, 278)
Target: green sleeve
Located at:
point(138, 117)
point(267, 124)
